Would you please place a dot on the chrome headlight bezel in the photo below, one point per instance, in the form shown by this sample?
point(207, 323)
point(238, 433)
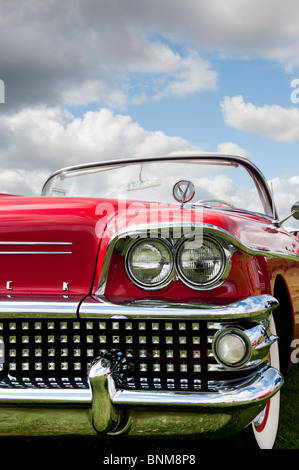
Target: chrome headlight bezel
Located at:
point(171, 235)
point(245, 342)
point(175, 272)
point(223, 273)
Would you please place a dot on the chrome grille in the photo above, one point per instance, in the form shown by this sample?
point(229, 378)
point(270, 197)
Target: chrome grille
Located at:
point(163, 354)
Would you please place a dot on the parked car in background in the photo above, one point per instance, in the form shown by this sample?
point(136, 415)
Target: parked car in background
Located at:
point(150, 296)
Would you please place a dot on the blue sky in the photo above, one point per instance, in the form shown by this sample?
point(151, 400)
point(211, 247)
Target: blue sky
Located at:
point(131, 77)
point(198, 117)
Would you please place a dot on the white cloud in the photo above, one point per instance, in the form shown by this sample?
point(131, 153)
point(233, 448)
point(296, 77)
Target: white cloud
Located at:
point(193, 75)
point(231, 148)
point(22, 182)
point(104, 51)
point(48, 139)
point(247, 28)
point(94, 51)
point(269, 121)
point(94, 91)
point(286, 193)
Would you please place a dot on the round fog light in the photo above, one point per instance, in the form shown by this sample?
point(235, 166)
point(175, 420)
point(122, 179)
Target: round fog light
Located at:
point(231, 348)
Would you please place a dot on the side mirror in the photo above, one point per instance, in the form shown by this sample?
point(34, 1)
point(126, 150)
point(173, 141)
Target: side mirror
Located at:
point(295, 210)
point(294, 213)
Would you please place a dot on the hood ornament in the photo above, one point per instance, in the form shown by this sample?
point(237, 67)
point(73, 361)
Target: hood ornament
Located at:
point(183, 191)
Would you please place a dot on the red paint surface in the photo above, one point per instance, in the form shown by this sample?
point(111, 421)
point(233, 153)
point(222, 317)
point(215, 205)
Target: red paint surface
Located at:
point(48, 220)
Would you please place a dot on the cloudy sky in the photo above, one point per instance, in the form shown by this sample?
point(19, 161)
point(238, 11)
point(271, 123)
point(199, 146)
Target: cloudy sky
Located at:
point(91, 80)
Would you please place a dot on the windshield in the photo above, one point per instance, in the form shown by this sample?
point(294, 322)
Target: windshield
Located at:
point(217, 182)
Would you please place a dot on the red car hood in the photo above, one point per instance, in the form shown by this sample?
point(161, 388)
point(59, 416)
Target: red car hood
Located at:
point(48, 246)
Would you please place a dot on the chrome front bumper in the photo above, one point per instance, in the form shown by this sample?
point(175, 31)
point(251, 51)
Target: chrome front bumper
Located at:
point(103, 408)
point(178, 413)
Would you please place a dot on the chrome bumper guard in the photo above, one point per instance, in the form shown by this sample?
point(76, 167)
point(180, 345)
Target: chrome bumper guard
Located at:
point(177, 413)
point(107, 410)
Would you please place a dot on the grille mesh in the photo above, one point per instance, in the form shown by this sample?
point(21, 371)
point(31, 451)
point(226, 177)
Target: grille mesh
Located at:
point(164, 354)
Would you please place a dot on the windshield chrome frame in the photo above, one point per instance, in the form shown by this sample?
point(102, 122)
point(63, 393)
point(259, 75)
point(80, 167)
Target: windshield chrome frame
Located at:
point(257, 176)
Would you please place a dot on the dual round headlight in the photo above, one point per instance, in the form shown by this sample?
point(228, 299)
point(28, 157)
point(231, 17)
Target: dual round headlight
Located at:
point(151, 262)
point(200, 263)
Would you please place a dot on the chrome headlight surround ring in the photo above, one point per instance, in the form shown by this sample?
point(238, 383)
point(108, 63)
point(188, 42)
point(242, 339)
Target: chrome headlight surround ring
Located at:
point(156, 285)
point(226, 251)
point(237, 333)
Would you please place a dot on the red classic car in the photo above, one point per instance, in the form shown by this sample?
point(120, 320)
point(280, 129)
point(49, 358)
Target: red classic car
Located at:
point(150, 296)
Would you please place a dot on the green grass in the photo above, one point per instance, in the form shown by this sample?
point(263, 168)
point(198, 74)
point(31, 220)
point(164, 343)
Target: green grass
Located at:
point(288, 435)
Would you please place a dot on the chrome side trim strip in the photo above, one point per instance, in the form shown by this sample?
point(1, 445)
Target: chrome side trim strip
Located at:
point(250, 308)
point(35, 243)
point(251, 250)
point(15, 309)
point(35, 252)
